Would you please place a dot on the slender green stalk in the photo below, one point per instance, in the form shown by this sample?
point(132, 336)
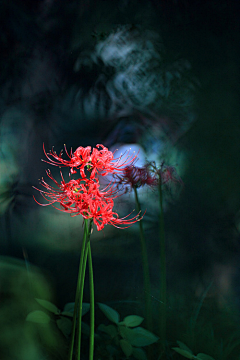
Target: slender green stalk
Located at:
point(83, 249)
point(146, 276)
point(80, 300)
point(91, 287)
point(163, 285)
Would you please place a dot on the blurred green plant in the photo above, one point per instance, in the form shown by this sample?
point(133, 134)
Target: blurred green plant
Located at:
point(126, 339)
point(187, 353)
point(124, 336)
point(19, 339)
point(62, 319)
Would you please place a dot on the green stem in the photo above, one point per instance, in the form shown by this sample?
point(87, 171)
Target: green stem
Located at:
point(163, 285)
point(83, 249)
point(80, 301)
point(146, 276)
point(91, 287)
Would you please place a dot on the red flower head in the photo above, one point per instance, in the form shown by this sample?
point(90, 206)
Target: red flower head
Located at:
point(83, 196)
point(168, 174)
point(95, 160)
point(137, 177)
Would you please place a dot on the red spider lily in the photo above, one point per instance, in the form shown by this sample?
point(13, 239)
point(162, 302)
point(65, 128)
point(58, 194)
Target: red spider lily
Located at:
point(137, 177)
point(102, 214)
point(168, 174)
point(94, 160)
point(84, 197)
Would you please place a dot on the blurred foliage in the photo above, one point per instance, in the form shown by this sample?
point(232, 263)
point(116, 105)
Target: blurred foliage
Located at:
point(20, 340)
point(204, 328)
point(126, 336)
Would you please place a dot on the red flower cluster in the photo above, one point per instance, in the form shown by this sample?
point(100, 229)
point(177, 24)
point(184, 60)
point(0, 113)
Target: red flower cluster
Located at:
point(168, 174)
point(96, 161)
point(137, 177)
point(83, 196)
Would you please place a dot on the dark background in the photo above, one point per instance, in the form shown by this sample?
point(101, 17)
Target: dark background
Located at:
point(47, 76)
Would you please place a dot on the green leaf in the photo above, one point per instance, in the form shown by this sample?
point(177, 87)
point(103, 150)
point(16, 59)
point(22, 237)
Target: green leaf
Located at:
point(85, 329)
point(138, 336)
point(103, 328)
point(184, 347)
point(49, 306)
point(110, 313)
point(69, 309)
point(132, 320)
point(111, 330)
point(185, 353)
point(67, 313)
point(85, 308)
point(65, 325)
point(139, 354)
point(112, 351)
point(39, 317)
point(126, 347)
point(202, 356)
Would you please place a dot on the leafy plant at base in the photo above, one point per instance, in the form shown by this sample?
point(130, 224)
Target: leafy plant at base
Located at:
point(126, 335)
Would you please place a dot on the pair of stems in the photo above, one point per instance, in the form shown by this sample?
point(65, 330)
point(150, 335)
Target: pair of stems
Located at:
point(77, 315)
